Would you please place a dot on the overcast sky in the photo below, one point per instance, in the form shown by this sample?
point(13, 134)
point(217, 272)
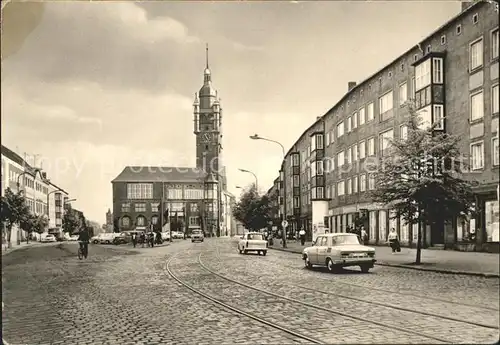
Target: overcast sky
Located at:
point(98, 86)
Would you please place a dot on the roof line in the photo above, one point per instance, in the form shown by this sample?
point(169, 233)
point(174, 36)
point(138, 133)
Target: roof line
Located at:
point(446, 24)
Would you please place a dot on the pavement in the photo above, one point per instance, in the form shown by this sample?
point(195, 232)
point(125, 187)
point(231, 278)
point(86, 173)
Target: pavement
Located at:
point(121, 295)
point(440, 261)
point(15, 246)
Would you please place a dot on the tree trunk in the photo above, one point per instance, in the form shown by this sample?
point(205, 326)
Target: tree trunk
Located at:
point(418, 259)
point(9, 236)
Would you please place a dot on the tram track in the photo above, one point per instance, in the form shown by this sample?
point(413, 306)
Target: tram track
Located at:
point(406, 294)
point(232, 308)
point(391, 327)
point(361, 300)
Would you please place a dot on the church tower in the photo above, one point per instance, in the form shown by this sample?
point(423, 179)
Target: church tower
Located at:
point(208, 126)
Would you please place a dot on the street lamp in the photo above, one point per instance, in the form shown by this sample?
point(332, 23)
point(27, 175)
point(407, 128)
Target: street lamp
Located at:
point(258, 137)
point(256, 180)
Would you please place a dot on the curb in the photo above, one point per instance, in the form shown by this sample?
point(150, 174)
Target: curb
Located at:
point(435, 270)
point(13, 249)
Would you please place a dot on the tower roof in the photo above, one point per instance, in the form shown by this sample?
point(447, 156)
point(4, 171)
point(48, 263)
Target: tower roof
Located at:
point(207, 90)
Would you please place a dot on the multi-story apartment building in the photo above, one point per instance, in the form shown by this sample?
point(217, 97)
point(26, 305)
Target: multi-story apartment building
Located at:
point(452, 78)
point(42, 195)
point(194, 196)
point(274, 197)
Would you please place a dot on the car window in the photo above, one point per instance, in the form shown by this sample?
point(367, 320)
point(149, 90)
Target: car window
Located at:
point(255, 237)
point(345, 239)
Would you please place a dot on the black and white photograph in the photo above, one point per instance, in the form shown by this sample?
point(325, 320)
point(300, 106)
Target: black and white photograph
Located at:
point(250, 172)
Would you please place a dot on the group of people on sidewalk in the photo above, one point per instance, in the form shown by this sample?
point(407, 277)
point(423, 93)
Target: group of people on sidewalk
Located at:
point(148, 238)
point(392, 237)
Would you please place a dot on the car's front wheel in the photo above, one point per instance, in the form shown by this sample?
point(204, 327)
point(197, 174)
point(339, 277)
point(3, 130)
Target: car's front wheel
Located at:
point(95, 242)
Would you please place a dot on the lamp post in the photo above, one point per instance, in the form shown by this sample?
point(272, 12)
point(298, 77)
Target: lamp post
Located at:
point(258, 137)
point(255, 176)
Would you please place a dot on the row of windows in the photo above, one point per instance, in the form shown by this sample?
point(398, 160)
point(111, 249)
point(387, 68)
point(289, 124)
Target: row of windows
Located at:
point(154, 207)
point(476, 51)
point(145, 191)
point(38, 207)
point(477, 154)
point(139, 191)
point(477, 103)
point(141, 221)
point(359, 151)
point(421, 80)
point(354, 184)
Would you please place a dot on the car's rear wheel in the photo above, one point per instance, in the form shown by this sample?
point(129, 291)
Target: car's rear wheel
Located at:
point(264, 252)
point(365, 268)
point(95, 242)
point(307, 262)
point(245, 251)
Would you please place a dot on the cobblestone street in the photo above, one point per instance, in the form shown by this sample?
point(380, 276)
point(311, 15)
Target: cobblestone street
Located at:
point(124, 296)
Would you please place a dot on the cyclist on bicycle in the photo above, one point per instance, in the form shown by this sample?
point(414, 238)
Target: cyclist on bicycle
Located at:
point(84, 239)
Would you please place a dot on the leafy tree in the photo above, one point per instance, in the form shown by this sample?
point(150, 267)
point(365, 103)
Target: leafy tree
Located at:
point(253, 211)
point(13, 210)
point(28, 224)
point(421, 178)
point(70, 221)
point(39, 223)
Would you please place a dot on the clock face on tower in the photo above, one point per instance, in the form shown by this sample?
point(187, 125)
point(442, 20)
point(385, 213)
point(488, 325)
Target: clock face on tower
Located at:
point(206, 137)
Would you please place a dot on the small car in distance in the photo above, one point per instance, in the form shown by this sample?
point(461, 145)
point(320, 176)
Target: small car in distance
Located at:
point(337, 251)
point(252, 242)
point(121, 238)
point(197, 235)
point(48, 238)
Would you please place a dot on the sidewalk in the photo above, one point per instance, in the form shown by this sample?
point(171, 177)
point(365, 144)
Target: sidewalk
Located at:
point(441, 261)
point(6, 251)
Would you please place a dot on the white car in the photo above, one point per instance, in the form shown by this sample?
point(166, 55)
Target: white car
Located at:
point(339, 250)
point(48, 238)
point(252, 242)
point(73, 238)
point(165, 236)
point(177, 235)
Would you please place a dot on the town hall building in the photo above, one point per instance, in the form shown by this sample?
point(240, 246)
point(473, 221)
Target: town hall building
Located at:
point(148, 197)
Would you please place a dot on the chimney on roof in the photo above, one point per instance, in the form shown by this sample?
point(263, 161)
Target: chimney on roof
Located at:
point(467, 4)
point(351, 85)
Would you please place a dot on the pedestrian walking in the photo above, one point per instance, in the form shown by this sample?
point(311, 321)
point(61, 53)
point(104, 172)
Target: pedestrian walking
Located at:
point(134, 239)
point(394, 241)
point(302, 234)
point(364, 235)
point(142, 239)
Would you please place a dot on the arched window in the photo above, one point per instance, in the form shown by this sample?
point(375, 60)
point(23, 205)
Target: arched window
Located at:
point(141, 221)
point(125, 221)
point(154, 220)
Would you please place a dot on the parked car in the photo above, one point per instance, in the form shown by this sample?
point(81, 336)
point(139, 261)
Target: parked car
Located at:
point(121, 238)
point(73, 238)
point(165, 236)
point(48, 238)
point(197, 235)
point(339, 250)
point(106, 238)
point(252, 242)
point(177, 235)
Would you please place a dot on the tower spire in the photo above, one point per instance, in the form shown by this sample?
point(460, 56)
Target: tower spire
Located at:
point(206, 53)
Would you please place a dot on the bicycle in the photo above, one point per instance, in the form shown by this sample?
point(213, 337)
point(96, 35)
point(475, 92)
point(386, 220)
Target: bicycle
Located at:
point(81, 253)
